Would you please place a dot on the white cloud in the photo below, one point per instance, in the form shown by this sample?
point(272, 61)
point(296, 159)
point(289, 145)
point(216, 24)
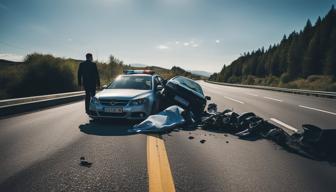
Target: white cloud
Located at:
point(11, 57)
point(162, 47)
point(217, 41)
point(175, 44)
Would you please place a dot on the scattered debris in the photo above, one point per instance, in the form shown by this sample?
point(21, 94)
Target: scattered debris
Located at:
point(312, 142)
point(212, 108)
point(84, 162)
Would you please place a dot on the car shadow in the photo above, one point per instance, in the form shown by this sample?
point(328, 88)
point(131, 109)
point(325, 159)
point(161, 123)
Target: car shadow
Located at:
point(107, 127)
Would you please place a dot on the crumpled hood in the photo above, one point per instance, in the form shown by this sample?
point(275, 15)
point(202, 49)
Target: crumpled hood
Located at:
point(121, 93)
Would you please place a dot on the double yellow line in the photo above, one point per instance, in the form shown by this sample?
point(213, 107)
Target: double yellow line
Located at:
point(159, 173)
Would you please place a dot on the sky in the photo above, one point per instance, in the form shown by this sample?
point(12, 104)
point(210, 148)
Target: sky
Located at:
point(192, 34)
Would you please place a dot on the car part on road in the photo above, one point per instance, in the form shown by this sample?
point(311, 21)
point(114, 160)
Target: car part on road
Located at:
point(164, 121)
point(212, 108)
point(84, 162)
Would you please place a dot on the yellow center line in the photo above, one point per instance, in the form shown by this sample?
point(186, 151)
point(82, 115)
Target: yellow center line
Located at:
point(159, 173)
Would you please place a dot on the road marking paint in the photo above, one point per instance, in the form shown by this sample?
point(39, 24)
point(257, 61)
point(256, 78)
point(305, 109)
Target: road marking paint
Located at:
point(320, 110)
point(251, 94)
point(273, 99)
point(234, 100)
point(284, 124)
point(159, 173)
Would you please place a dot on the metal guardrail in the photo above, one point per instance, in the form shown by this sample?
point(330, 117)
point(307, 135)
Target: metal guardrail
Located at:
point(37, 98)
point(286, 90)
point(19, 105)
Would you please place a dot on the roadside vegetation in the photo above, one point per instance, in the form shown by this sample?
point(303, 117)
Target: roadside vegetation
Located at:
point(41, 74)
point(305, 60)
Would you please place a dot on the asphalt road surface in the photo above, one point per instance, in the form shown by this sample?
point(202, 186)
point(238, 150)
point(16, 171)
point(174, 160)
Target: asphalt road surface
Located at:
point(40, 151)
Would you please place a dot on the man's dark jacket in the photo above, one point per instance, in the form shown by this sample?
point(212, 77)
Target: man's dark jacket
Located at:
point(88, 75)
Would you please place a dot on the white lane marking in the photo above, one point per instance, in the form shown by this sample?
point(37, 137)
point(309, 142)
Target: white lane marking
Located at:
point(320, 110)
point(273, 99)
point(234, 100)
point(284, 124)
point(251, 94)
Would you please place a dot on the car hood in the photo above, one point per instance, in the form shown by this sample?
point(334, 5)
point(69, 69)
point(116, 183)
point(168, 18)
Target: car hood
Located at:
point(121, 93)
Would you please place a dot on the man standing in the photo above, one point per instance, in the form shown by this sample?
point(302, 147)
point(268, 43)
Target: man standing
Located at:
point(88, 77)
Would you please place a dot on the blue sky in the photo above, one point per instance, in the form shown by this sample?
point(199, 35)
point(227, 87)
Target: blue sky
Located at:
point(192, 34)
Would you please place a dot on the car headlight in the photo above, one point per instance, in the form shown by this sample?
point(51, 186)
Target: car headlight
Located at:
point(138, 101)
point(94, 100)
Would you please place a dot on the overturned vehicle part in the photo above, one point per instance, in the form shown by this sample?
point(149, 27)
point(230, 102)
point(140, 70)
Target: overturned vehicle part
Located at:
point(185, 93)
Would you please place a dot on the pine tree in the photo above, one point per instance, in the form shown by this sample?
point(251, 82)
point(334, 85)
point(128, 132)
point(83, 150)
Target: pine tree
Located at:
point(311, 58)
point(293, 58)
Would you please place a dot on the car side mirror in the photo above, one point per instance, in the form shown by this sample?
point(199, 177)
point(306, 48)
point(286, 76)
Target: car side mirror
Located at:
point(159, 87)
point(208, 98)
point(104, 86)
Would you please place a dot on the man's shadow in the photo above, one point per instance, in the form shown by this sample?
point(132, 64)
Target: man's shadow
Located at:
point(107, 127)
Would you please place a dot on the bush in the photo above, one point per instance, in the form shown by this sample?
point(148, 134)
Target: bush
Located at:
point(249, 80)
point(44, 74)
point(285, 78)
point(313, 78)
point(272, 81)
point(234, 79)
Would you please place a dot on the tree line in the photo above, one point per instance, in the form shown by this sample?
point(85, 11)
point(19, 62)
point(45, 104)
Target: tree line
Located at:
point(41, 74)
point(303, 56)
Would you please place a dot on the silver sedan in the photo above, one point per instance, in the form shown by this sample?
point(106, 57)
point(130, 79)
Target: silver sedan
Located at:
point(132, 96)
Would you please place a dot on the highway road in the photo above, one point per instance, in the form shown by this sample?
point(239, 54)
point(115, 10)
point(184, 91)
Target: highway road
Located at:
point(40, 151)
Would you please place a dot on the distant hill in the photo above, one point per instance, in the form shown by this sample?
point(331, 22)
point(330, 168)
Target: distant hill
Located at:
point(174, 71)
point(169, 73)
point(137, 65)
point(201, 73)
point(4, 62)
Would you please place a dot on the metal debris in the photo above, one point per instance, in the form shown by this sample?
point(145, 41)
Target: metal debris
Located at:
point(84, 162)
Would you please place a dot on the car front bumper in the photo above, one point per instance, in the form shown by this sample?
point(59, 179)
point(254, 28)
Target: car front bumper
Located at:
point(137, 112)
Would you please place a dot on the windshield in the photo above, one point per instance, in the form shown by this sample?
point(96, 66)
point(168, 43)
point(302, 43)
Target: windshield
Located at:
point(190, 84)
point(132, 82)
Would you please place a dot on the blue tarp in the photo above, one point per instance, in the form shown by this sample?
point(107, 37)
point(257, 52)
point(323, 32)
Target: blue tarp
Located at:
point(167, 119)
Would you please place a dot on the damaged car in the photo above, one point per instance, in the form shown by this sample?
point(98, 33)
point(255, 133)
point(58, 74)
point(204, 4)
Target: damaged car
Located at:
point(134, 95)
point(186, 93)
